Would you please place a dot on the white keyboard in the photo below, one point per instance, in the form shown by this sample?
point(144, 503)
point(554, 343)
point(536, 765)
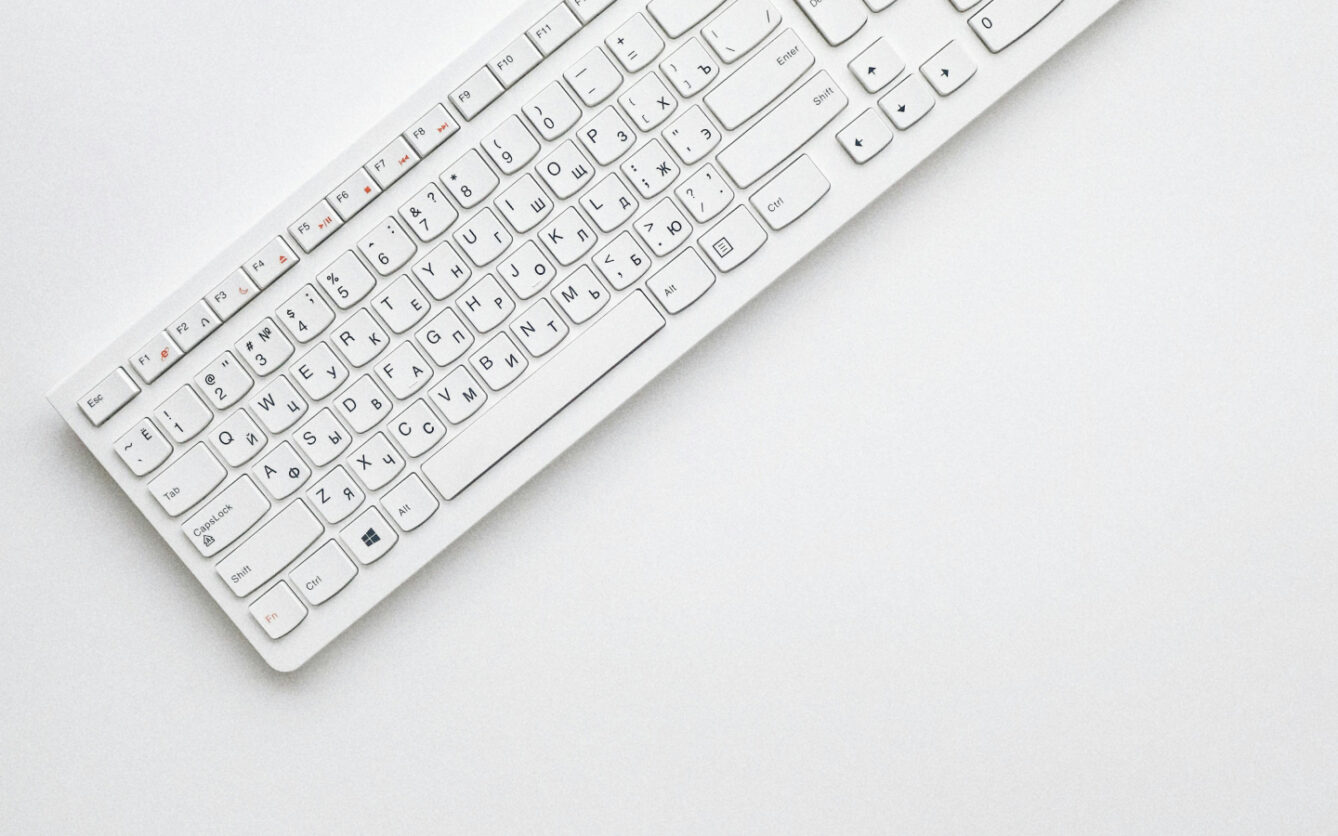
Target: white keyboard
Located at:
point(505, 259)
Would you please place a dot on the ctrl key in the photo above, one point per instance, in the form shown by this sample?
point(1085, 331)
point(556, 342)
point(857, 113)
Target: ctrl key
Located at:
point(278, 611)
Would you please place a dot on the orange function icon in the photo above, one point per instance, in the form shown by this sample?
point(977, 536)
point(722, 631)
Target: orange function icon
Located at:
point(164, 354)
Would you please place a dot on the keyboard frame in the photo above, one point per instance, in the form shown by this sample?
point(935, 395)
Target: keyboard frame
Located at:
point(917, 28)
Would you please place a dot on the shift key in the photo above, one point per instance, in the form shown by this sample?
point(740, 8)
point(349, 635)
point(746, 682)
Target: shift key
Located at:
point(274, 546)
point(784, 130)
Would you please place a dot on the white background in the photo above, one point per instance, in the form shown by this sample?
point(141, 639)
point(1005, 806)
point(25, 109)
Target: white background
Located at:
point(1014, 507)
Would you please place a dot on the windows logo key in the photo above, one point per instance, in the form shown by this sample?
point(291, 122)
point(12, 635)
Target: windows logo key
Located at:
point(371, 537)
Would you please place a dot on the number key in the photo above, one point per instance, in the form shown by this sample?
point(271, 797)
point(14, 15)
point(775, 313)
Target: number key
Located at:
point(264, 348)
point(305, 314)
point(222, 381)
point(428, 213)
point(511, 146)
point(469, 180)
point(387, 247)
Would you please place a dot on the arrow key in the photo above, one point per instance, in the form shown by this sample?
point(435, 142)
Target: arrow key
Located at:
point(949, 69)
point(877, 66)
point(908, 102)
point(866, 136)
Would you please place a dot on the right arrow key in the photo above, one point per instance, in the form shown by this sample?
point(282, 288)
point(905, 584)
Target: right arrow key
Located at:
point(949, 69)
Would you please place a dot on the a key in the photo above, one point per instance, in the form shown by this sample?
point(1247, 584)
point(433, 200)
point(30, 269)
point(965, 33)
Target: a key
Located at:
point(194, 325)
point(705, 194)
point(278, 611)
point(593, 77)
point(483, 238)
point(281, 471)
point(375, 463)
point(272, 547)
point(278, 406)
point(566, 170)
point(442, 271)
point(526, 271)
point(580, 295)
point(678, 16)
point(485, 304)
point(569, 373)
point(651, 170)
point(648, 103)
point(458, 395)
point(1002, 22)
point(432, 129)
point(539, 329)
point(183, 414)
point(346, 281)
point(392, 162)
point(224, 381)
point(387, 247)
point(586, 10)
point(836, 20)
point(360, 339)
point(622, 262)
point(681, 282)
point(733, 240)
point(319, 372)
point(865, 137)
point(155, 357)
point(567, 237)
point(264, 348)
point(445, 339)
point(760, 80)
point(231, 294)
point(401, 306)
point(323, 574)
point(428, 213)
point(305, 315)
point(238, 439)
point(404, 371)
point(552, 112)
point(740, 27)
point(353, 195)
point(479, 90)
point(877, 66)
point(510, 145)
point(274, 259)
point(948, 69)
point(524, 204)
point(369, 537)
point(187, 480)
point(607, 137)
point(409, 503)
point(226, 517)
point(315, 226)
point(908, 102)
point(362, 405)
point(417, 429)
point(469, 180)
point(634, 44)
point(499, 362)
point(663, 227)
point(322, 438)
point(609, 203)
point(783, 131)
point(554, 29)
point(692, 136)
point(106, 399)
point(690, 68)
point(335, 496)
point(791, 193)
point(515, 61)
point(143, 448)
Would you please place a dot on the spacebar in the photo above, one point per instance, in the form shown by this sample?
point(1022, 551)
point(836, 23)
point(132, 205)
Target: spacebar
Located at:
point(498, 431)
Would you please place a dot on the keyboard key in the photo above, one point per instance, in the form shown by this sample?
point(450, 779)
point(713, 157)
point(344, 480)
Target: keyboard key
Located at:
point(442, 271)
point(346, 280)
point(690, 68)
point(335, 496)
point(758, 82)
point(733, 241)
point(231, 294)
point(315, 226)
point(483, 238)
point(226, 517)
point(553, 30)
point(663, 227)
point(183, 415)
point(270, 549)
point(369, 537)
point(607, 137)
point(539, 329)
point(428, 213)
point(458, 395)
point(479, 90)
point(783, 131)
point(401, 306)
point(515, 61)
point(485, 304)
point(264, 348)
point(106, 399)
point(568, 237)
point(409, 503)
point(791, 193)
point(187, 480)
point(499, 362)
point(322, 438)
point(417, 429)
point(237, 439)
point(360, 339)
point(692, 136)
point(353, 194)
point(320, 576)
point(469, 180)
point(266, 266)
point(305, 315)
point(566, 170)
point(634, 44)
point(1002, 22)
point(593, 77)
point(609, 203)
point(877, 66)
point(908, 102)
point(319, 372)
point(949, 69)
point(362, 405)
point(740, 27)
point(552, 112)
point(526, 271)
point(510, 145)
point(681, 282)
point(143, 448)
point(194, 325)
point(155, 357)
point(836, 20)
point(651, 170)
point(580, 295)
point(586, 10)
point(705, 194)
point(375, 463)
point(387, 247)
point(524, 204)
point(404, 371)
point(389, 166)
point(865, 137)
point(569, 373)
point(278, 611)
point(622, 262)
point(678, 16)
point(281, 471)
point(279, 406)
point(445, 338)
point(648, 102)
point(432, 129)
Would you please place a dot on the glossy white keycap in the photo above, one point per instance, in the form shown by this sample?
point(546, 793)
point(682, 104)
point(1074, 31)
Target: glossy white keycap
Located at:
point(375, 463)
point(305, 315)
point(760, 81)
point(335, 496)
point(949, 69)
point(279, 405)
point(432, 129)
point(445, 339)
point(482, 237)
point(580, 295)
point(469, 179)
point(369, 537)
point(322, 438)
point(155, 357)
point(319, 372)
point(278, 611)
point(705, 194)
point(569, 373)
point(183, 415)
point(485, 304)
point(281, 471)
point(359, 339)
point(143, 448)
point(362, 405)
point(442, 271)
point(791, 193)
point(663, 227)
point(622, 262)
point(409, 503)
point(187, 480)
point(634, 43)
point(353, 194)
point(273, 260)
point(837, 20)
point(877, 66)
point(609, 203)
point(593, 77)
point(458, 395)
point(499, 362)
point(524, 205)
point(866, 136)
point(607, 137)
point(323, 574)
point(264, 348)
point(526, 271)
point(231, 294)
point(784, 130)
point(106, 399)
point(554, 29)
point(648, 102)
point(690, 68)
point(428, 213)
point(567, 237)
point(510, 145)
point(740, 27)
point(401, 305)
point(226, 517)
point(317, 224)
point(417, 429)
point(681, 282)
point(346, 280)
point(692, 136)
point(237, 439)
point(515, 60)
point(566, 170)
point(479, 90)
point(194, 325)
point(908, 102)
point(387, 247)
point(1002, 22)
point(678, 16)
point(539, 329)
point(650, 170)
point(552, 112)
point(390, 164)
point(733, 240)
point(404, 371)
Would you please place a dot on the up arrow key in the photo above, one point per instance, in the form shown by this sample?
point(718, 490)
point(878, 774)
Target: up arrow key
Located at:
point(876, 66)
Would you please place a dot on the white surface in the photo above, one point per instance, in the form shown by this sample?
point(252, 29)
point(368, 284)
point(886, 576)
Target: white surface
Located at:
point(1031, 526)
